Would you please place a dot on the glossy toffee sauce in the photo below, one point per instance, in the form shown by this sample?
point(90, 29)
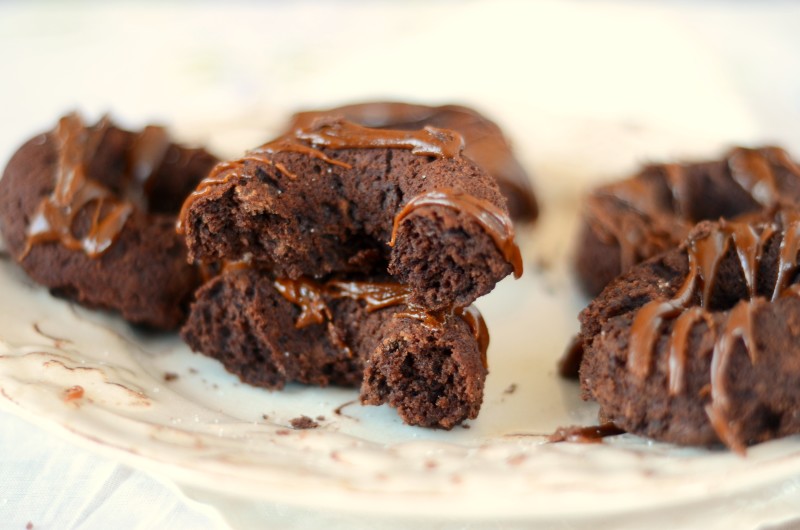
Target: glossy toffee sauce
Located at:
point(752, 169)
point(705, 254)
point(311, 131)
point(74, 190)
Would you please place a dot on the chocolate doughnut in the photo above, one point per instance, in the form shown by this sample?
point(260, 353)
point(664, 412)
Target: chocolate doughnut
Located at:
point(484, 142)
point(90, 212)
point(345, 332)
point(630, 221)
point(331, 196)
point(702, 343)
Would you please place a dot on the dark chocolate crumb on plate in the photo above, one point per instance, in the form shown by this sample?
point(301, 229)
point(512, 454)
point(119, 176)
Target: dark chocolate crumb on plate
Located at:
point(511, 389)
point(303, 422)
point(585, 435)
point(170, 376)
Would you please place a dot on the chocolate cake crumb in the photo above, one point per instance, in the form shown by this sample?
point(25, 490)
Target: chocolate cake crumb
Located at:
point(303, 422)
point(511, 389)
point(170, 376)
point(465, 426)
point(264, 417)
point(320, 418)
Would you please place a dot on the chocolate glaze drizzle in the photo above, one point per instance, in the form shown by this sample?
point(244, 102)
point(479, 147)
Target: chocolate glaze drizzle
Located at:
point(310, 296)
point(493, 220)
point(752, 169)
point(74, 190)
point(705, 254)
point(338, 133)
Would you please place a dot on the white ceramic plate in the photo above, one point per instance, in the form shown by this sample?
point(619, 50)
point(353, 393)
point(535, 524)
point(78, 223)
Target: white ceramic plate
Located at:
point(203, 428)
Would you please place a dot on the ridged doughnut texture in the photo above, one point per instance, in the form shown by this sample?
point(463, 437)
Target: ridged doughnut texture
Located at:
point(270, 332)
point(90, 213)
point(484, 142)
point(701, 344)
point(325, 199)
point(630, 221)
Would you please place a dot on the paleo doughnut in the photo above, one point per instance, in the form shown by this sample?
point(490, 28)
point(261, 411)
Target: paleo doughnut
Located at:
point(331, 196)
point(90, 213)
point(630, 221)
point(484, 142)
point(430, 367)
point(702, 343)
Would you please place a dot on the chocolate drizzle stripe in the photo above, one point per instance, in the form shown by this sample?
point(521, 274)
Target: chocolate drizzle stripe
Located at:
point(708, 252)
point(338, 133)
point(310, 297)
point(73, 191)
point(480, 331)
point(491, 218)
point(375, 295)
point(679, 343)
point(647, 322)
point(751, 169)
point(787, 257)
point(677, 183)
point(147, 154)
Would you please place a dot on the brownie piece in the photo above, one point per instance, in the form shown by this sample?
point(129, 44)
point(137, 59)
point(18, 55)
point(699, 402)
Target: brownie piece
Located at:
point(630, 221)
point(333, 197)
point(268, 332)
point(90, 213)
point(700, 344)
point(484, 142)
